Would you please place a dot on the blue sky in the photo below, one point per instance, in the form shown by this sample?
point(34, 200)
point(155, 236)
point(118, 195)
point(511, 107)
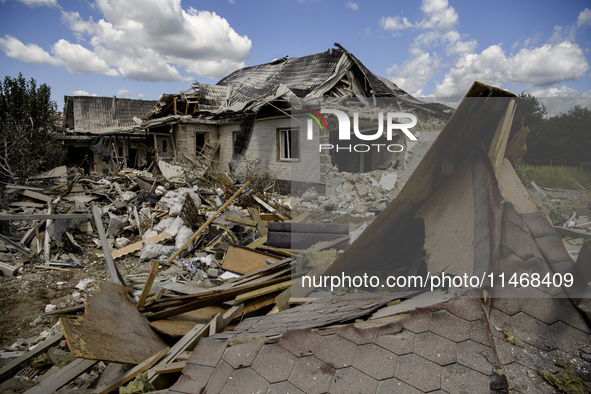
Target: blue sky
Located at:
point(144, 48)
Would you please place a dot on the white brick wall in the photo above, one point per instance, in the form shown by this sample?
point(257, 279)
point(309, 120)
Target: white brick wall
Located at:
point(263, 145)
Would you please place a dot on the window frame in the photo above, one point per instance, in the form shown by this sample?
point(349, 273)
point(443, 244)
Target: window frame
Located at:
point(279, 146)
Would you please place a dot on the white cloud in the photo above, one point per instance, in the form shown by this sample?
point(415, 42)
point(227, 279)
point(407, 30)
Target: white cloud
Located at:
point(548, 64)
point(351, 5)
point(83, 93)
point(414, 73)
point(484, 67)
point(123, 93)
point(151, 40)
point(584, 18)
point(79, 60)
point(438, 15)
point(395, 23)
point(30, 53)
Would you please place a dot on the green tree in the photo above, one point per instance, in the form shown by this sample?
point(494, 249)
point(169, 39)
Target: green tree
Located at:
point(28, 117)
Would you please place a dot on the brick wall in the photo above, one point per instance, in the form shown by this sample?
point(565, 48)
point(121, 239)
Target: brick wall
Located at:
point(263, 146)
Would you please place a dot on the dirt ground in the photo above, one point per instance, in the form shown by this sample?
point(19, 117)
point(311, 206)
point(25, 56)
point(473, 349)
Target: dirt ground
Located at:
point(23, 298)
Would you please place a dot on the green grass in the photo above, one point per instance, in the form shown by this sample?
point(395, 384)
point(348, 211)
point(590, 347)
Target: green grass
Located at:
point(556, 177)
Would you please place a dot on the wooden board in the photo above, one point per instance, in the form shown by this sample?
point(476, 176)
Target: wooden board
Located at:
point(259, 223)
point(180, 325)
point(242, 260)
point(513, 190)
point(62, 377)
point(138, 245)
point(111, 329)
point(132, 373)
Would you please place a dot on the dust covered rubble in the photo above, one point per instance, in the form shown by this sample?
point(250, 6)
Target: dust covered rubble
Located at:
point(353, 194)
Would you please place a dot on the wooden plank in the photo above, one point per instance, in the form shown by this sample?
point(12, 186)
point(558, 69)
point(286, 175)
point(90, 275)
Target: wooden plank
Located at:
point(62, 377)
point(512, 189)
point(174, 367)
point(148, 285)
point(264, 204)
point(178, 326)
point(112, 268)
point(259, 303)
point(259, 223)
point(26, 204)
point(132, 373)
point(36, 196)
point(496, 150)
point(243, 260)
point(138, 245)
point(207, 222)
point(6, 370)
point(232, 313)
point(257, 242)
point(262, 291)
point(111, 329)
point(237, 219)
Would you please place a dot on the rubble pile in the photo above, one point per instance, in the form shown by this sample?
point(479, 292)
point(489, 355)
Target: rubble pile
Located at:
point(353, 194)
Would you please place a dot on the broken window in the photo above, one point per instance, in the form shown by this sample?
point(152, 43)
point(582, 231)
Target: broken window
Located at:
point(288, 144)
point(200, 139)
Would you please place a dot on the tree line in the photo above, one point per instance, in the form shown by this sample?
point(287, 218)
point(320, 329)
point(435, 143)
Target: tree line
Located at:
point(565, 137)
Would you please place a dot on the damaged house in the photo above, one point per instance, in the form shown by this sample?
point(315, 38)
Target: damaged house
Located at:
point(106, 130)
point(248, 115)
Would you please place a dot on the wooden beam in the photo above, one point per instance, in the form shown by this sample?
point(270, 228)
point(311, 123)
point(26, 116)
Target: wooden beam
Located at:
point(496, 150)
point(148, 285)
point(257, 242)
point(174, 367)
point(134, 247)
point(207, 223)
point(113, 272)
point(263, 291)
point(62, 377)
point(36, 196)
point(132, 373)
point(259, 223)
point(237, 219)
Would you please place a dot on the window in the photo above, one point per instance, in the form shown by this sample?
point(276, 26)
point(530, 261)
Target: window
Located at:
point(200, 139)
point(288, 144)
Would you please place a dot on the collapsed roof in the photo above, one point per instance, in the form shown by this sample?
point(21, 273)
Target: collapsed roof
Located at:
point(333, 73)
